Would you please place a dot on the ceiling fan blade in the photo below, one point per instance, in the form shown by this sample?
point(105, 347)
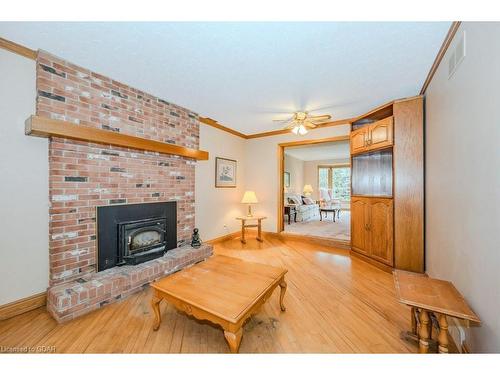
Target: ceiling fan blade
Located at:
point(320, 122)
point(291, 125)
point(319, 118)
point(284, 120)
point(309, 124)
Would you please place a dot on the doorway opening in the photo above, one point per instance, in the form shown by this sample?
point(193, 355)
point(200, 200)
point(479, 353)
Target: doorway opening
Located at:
point(315, 189)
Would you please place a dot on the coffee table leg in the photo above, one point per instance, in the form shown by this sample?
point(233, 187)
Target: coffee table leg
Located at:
point(234, 339)
point(283, 287)
point(155, 304)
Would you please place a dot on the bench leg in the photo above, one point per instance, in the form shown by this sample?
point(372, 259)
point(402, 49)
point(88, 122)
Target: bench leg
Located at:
point(424, 331)
point(234, 339)
point(443, 334)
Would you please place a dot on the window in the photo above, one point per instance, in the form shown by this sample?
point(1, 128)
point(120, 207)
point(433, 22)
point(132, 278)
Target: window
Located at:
point(338, 179)
point(323, 178)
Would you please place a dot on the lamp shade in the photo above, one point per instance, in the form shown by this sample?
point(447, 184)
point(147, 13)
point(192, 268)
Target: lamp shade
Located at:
point(249, 197)
point(308, 189)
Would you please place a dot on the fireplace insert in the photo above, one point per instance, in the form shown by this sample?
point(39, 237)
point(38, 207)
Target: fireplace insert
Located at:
point(141, 240)
point(135, 233)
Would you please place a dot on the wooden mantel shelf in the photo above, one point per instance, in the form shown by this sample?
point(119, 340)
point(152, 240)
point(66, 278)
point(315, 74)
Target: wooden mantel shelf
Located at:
point(45, 127)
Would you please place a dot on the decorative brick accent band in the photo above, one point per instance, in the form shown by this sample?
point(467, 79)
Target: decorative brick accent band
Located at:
point(70, 300)
point(86, 175)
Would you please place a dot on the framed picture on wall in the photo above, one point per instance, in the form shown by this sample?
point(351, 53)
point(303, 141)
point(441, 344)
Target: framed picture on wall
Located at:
point(286, 179)
point(225, 173)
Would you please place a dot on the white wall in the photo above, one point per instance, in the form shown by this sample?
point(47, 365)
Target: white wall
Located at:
point(463, 179)
point(24, 265)
point(216, 207)
point(311, 173)
point(261, 172)
point(295, 167)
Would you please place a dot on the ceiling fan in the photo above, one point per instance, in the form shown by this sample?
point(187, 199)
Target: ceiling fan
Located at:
point(301, 121)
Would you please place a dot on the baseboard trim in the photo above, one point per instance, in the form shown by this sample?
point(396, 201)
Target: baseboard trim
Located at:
point(23, 305)
point(338, 244)
point(373, 262)
point(226, 237)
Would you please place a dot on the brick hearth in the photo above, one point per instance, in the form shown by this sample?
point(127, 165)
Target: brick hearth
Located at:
point(90, 292)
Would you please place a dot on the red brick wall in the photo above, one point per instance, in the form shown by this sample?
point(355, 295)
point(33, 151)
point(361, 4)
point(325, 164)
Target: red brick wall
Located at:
point(85, 175)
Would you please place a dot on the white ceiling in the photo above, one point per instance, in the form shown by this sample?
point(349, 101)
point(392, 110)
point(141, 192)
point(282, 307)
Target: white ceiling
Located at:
point(321, 151)
point(244, 74)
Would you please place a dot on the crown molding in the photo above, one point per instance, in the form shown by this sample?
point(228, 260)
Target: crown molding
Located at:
point(215, 124)
point(442, 51)
point(18, 49)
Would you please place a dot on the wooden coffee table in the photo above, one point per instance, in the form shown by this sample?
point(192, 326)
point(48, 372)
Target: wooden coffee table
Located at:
point(223, 290)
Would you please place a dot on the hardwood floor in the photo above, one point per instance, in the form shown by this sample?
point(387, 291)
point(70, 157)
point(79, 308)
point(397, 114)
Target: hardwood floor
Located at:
point(335, 304)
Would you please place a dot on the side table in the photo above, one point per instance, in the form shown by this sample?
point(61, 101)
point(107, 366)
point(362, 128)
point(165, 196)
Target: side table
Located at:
point(289, 209)
point(244, 225)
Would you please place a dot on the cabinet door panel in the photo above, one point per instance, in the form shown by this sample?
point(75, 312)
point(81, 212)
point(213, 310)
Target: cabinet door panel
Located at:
point(381, 134)
point(359, 140)
point(360, 217)
point(381, 230)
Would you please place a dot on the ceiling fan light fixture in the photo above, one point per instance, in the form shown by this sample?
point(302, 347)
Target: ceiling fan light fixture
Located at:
point(301, 122)
point(299, 130)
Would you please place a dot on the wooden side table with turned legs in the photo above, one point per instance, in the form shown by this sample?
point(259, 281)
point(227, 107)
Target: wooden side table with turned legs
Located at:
point(244, 219)
point(430, 299)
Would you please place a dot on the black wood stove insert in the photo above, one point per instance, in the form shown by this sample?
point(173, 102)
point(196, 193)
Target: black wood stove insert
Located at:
point(135, 233)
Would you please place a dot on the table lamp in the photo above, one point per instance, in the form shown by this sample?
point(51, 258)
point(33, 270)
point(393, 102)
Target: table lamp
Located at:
point(308, 190)
point(249, 198)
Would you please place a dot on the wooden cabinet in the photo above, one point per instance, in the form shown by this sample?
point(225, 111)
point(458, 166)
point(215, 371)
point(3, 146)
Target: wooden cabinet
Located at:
point(380, 134)
point(360, 214)
point(372, 137)
point(381, 230)
point(372, 228)
point(387, 185)
point(358, 140)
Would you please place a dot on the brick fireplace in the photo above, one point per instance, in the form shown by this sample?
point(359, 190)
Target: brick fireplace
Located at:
point(86, 175)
